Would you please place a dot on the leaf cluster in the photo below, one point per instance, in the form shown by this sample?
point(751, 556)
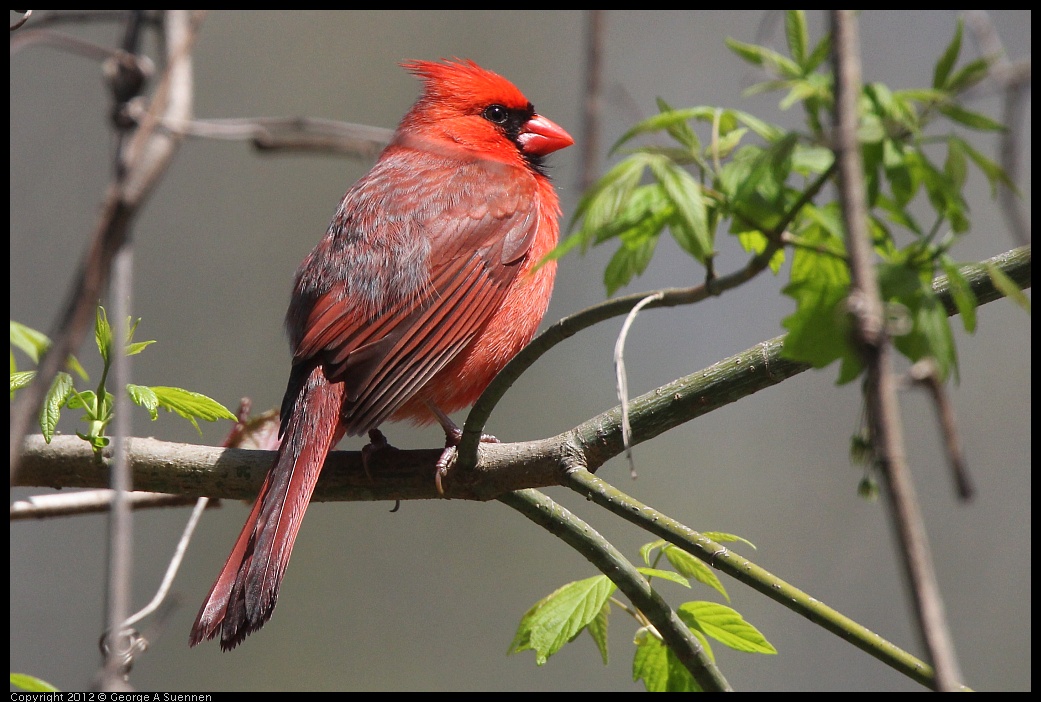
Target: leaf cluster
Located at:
point(97, 405)
point(764, 185)
point(585, 605)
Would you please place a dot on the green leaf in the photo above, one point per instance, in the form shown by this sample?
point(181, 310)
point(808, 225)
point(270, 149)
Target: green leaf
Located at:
point(136, 347)
point(995, 174)
point(971, 119)
point(755, 242)
point(948, 58)
point(50, 412)
point(871, 129)
point(767, 58)
point(946, 199)
point(722, 536)
point(103, 334)
point(811, 160)
point(765, 130)
point(931, 336)
point(819, 53)
point(649, 662)
point(673, 121)
point(31, 342)
point(21, 379)
point(83, 400)
point(681, 131)
point(969, 75)
point(664, 575)
point(956, 165)
point(902, 179)
point(560, 616)
point(691, 567)
point(813, 87)
point(191, 405)
point(1007, 286)
point(88, 401)
point(657, 665)
point(144, 396)
point(30, 683)
point(646, 549)
point(597, 628)
point(626, 264)
point(726, 143)
point(96, 441)
point(818, 330)
point(724, 625)
point(926, 96)
point(797, 34)
point(598, 207)
point(907, 287)
point(690, 223)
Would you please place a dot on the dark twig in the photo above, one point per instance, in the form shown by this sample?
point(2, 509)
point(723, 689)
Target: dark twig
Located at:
point(593, 99)
point(1013, 78)
point(926, 375)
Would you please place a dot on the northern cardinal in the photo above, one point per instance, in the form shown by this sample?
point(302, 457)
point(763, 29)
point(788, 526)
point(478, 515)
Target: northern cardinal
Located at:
point(423, 288)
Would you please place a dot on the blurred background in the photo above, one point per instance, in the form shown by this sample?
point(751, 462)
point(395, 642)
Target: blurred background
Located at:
point(429, 597)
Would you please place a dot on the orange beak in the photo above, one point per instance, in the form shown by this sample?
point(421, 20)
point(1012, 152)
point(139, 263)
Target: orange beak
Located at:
point(542, 136)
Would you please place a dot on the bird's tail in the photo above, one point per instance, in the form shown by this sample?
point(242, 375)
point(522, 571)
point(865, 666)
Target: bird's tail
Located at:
point(242, 599)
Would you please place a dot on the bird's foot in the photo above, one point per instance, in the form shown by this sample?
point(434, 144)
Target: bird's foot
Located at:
point(377, 444)
point(453, 437)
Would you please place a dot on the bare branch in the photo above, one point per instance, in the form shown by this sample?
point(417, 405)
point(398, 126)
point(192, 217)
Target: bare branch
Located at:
point(290, 134)
point(883, 407)
point(593, 99)
point(89, 502)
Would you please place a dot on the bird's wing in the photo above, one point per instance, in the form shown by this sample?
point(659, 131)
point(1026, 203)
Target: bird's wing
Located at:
point(467, 226)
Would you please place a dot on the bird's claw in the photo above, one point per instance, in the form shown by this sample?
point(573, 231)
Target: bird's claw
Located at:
point(453, 437)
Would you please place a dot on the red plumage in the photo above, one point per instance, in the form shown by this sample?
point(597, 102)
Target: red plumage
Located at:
point(422, 289)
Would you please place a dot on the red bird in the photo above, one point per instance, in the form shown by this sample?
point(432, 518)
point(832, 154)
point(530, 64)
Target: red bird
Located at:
point(423, 288)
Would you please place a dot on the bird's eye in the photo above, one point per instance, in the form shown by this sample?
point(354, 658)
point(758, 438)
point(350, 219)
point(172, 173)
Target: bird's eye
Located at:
point(496, 113)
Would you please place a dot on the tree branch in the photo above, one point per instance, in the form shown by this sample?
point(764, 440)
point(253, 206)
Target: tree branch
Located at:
point(236, 473)
point(872, 340)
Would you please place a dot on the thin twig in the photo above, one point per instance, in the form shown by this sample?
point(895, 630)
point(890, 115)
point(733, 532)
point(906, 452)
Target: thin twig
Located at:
point(174, 565)
point(89, 502)
point(925, 374)
point(1013, 79)
point(25, 18)
point(593, 99)
point(622, 382)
